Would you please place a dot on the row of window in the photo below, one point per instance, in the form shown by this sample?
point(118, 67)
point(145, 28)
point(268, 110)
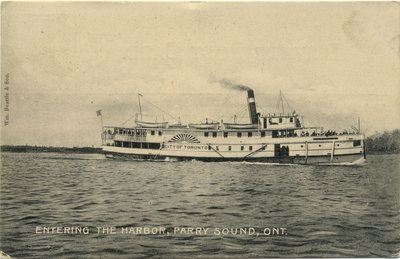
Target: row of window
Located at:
point(356, 143)
point(148, 145)
point(145, 145)
point(238, 134)
point(280, 119)
point(154, 133)
point(139, 132)
point(275, 134)
point(250, 148)
point(319, 145)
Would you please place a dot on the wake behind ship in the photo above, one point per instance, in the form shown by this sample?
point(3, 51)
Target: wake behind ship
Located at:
point(277, 138)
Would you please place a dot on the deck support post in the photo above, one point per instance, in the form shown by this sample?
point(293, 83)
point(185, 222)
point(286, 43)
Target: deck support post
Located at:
point(306, 151)
point(333, 150)
point(364, 149)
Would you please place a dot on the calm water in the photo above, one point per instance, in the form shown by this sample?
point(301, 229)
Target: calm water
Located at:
point(334, 211)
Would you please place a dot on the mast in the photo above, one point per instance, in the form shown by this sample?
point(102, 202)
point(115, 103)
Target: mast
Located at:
point(99, 113)
point(103, 136)
point(140, 107)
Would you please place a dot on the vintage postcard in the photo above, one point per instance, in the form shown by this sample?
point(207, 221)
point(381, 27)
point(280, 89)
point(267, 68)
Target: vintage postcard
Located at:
point(200, 129)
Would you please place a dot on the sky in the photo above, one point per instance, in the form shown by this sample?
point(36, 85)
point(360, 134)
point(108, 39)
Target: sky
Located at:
point(334, 62)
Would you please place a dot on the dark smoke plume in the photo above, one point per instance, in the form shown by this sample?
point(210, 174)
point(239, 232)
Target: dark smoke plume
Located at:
point(228, 84)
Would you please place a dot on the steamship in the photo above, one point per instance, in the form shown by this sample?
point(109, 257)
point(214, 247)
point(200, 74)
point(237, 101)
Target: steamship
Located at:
point(270, 138)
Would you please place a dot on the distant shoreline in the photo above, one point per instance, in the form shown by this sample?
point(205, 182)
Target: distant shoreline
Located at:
point(36, 149)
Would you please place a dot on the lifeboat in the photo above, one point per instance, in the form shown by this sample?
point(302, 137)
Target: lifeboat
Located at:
point(204, 125)
point(177, 126)
point(240, 126)
point(145, 124)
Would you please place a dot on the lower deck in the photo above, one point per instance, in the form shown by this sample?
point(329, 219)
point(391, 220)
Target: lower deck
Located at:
point(305, 151)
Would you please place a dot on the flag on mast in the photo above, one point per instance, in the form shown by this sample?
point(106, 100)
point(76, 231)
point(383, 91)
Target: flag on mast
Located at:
point(98, 113)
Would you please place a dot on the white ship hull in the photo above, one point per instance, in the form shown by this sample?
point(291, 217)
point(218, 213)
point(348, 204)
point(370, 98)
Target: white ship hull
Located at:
point(307, 150)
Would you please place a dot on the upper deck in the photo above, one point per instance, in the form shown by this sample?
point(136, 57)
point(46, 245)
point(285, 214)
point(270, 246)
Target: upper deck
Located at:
point(218, 136)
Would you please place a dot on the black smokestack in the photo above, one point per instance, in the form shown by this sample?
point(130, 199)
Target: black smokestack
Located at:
point(251, 102)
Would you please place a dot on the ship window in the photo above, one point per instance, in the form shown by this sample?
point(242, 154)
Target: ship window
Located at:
point(356, 143)
point(250, 134)
point(225, 134)
point(263, 148)
point(250, 148)
point(337, 145)
point(135, 145)
point(301, 146)
point(319, 145)
point(126, 144)
point(280, 120)
point(159, 133)
point(217, 148)
point(229, 148)
point(263, 134)
point(154, 145)
point(239, 134)
point(214, 134)
point(205, 134)
point(242, 148)
point(291, 119)
point(152, 132)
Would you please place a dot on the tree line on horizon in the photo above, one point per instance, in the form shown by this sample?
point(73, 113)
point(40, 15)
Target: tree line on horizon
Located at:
point(387, 142)
point(26, 148)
